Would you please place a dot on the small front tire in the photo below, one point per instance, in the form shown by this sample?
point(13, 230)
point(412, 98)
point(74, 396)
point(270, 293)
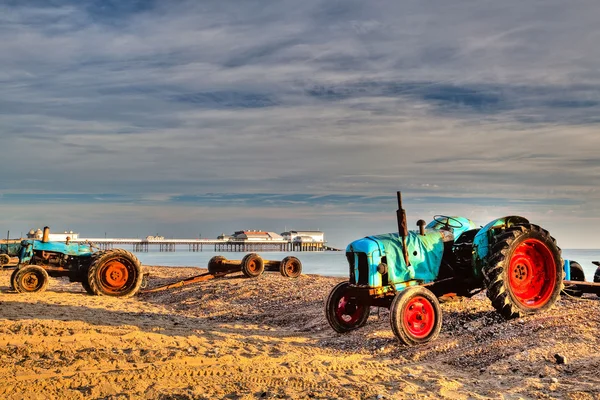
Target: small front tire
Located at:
point(344, 311)
point(29, 279)
point(415, 316)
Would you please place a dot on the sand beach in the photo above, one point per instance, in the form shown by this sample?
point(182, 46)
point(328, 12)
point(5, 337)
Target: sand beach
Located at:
point(237, 338)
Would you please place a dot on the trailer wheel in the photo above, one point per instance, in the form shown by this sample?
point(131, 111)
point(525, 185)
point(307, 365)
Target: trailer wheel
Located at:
point(115, 272)
point(252, 265)
point(290, 267)
point(524, 273)
point(597, 277)
point(415, 316)
point(576, 275)
point(215, 264)
point(29, 279)
point(344, 311)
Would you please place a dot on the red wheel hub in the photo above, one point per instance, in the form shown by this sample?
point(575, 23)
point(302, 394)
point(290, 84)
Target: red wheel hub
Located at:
point(30, 281)
point(114, 275)
point(252, 265)
point(419, 317)
point(532, 273)
point(347, 311)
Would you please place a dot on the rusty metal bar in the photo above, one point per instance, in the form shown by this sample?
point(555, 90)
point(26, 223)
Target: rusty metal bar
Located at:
point(194, 279)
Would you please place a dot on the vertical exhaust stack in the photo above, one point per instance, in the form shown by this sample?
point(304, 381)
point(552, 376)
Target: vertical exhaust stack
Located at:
point(402, 227)
point(45, 238)
point(421, 224)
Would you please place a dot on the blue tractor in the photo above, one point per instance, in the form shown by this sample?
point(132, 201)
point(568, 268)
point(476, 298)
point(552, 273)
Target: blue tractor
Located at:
point(518, 263)
point(114, 272)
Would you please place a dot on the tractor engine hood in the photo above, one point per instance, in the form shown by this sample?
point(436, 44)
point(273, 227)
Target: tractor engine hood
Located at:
point(424, 252)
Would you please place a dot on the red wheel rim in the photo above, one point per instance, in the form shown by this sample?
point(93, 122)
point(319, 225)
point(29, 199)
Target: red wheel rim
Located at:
point(347, 311)
point(252, 265)
point(419, 317)
point(532, 274)
point(114, 276)
point(31, 281)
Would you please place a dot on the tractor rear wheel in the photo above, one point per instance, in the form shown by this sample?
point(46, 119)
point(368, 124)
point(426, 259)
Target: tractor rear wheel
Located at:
point(577, 274)
point(115, 272)
point(344, 311)
point(290, 267)
point(29, 279)
point(415, 316)
point(252, 265)
point(524, 272)
point(215, 264)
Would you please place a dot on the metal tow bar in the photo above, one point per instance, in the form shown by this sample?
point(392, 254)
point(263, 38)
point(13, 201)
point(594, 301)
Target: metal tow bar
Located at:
point(194, 279)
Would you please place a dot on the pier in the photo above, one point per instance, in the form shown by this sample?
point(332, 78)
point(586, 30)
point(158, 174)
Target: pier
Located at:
point(198, 245)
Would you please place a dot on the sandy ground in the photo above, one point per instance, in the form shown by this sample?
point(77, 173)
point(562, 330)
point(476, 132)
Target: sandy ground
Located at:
point(238, 338)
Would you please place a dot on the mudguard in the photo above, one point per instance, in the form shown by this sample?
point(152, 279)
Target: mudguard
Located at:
point(483, 238)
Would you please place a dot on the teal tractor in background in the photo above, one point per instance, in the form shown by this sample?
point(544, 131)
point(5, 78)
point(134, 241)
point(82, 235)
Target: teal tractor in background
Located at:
point(518, 263)
point(114, 272)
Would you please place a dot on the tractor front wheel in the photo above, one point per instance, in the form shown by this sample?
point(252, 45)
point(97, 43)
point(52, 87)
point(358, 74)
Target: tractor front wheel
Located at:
point(577, 274)
point(29, 279)
point(344, 311)
point(415, 316)
point(290, 267)
point(4, 260)
point(252, 265)
point(116, 273)
point(524, 273)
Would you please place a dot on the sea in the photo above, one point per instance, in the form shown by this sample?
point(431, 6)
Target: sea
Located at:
point(327, 263)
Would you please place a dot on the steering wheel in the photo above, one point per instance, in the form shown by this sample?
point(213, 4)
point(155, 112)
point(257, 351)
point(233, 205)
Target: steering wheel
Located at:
point(446, 223)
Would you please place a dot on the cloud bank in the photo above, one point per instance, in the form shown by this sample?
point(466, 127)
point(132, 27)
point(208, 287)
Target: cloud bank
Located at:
point(182, 116)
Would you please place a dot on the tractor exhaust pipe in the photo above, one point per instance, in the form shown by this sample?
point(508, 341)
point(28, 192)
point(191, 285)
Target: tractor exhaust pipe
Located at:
point(45, 237)
point(421, 224)
point(402, 227)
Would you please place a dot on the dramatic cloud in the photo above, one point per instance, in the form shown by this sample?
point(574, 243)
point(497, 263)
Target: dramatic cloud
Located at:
point(180, 117)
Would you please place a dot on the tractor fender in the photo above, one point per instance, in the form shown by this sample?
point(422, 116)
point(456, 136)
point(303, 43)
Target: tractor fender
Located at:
point(483, 238)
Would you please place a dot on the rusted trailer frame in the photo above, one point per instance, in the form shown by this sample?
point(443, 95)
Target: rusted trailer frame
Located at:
point(252, 266)
point(194, 279)
point(583, 287)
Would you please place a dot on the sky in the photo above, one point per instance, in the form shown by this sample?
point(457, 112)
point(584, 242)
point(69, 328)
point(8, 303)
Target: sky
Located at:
point(196, 118)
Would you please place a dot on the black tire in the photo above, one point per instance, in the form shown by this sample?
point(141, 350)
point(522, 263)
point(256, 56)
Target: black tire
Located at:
point(215, 264)
point(30, 279)
point(290, 267)
point(252, 265)
point(12, 278)
point(576, 275)
point(524, 272)
point(344, 311)
point(86, 287)
point(597, 277)
point(415, 316)
point(4, 259)
point(115, 272)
